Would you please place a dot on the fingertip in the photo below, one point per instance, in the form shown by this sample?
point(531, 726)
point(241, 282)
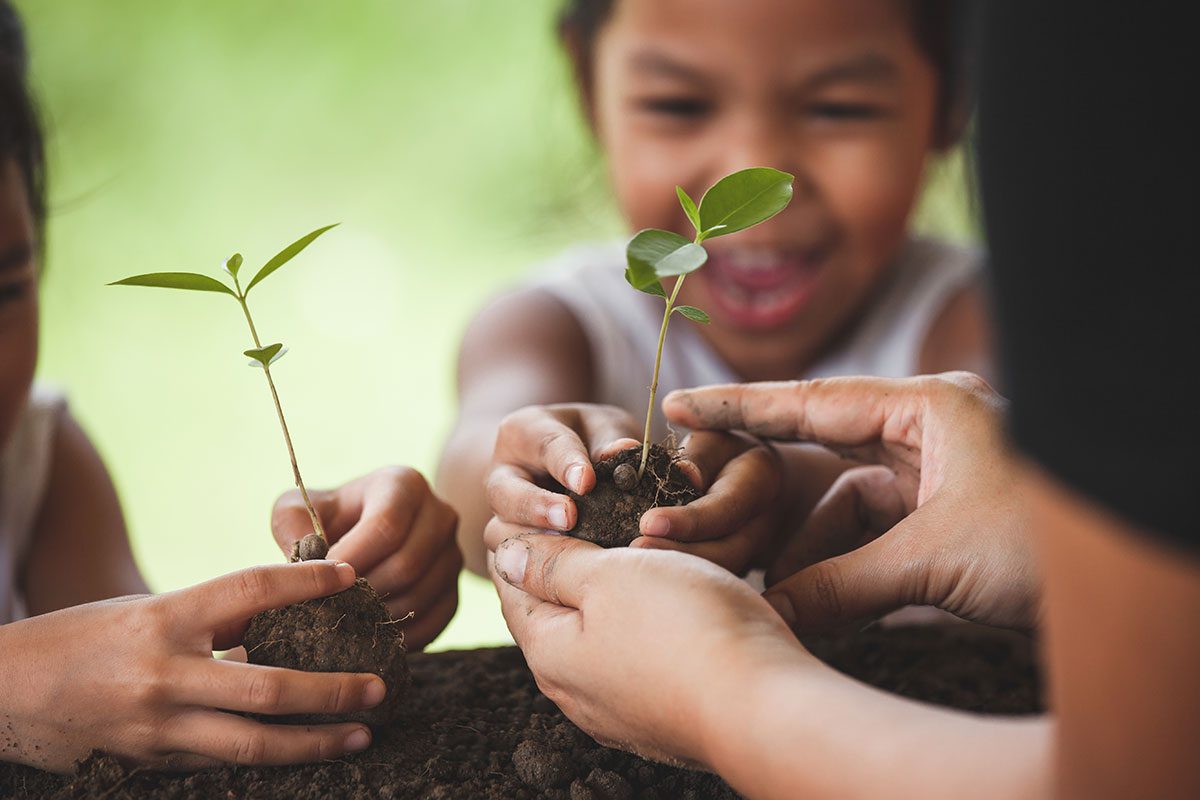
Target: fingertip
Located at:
point(345, 573)
point(358, 739)
point(577, 477)
point(374, 691)
point(654, 524)
point(691, 472)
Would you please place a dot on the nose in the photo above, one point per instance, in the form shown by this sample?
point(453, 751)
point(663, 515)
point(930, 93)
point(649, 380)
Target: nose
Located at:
point(758, 140)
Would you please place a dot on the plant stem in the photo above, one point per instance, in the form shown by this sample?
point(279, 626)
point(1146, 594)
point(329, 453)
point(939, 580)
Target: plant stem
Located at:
point(662, 337)
point(287, 437)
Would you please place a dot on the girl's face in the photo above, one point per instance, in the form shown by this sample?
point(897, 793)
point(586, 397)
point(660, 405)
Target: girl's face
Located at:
point(18, 298)
point(833, 91)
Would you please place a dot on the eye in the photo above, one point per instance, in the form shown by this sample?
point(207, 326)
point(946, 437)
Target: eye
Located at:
point(677, 107)
point(12, 292)
point(840, 112)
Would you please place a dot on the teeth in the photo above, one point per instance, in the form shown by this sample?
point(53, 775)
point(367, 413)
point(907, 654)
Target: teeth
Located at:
point(754, 260)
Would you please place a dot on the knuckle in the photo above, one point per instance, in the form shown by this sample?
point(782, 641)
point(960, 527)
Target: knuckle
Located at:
point(264, 692)
point(340, 695)
point(408, 480)
point(250, 748)
point(253, 586)
point(405, 571)
point(827, 588)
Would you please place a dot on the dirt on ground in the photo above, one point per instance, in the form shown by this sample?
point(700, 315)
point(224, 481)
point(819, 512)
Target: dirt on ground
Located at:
point(475, 725)
point(609, 514)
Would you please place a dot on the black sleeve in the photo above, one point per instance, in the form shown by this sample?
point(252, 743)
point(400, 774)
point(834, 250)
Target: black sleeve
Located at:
point(1088, 174)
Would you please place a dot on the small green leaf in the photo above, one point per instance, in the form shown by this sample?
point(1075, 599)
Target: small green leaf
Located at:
point(233, 264)
point(689, 207)
point(693, 313)
point(287, 254)
point(652, 285)
point(189, 281)
point(266, 356)
point(663, 254)
point(743, 199)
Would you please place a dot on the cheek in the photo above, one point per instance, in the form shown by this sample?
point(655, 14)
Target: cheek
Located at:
point(18, 357)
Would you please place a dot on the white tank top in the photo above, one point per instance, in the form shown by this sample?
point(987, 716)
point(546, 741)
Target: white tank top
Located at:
point(622, 325)
point(25, 464)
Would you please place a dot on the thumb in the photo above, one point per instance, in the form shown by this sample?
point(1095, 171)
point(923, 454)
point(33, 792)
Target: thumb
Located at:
point(556, 569)
point(861, 585)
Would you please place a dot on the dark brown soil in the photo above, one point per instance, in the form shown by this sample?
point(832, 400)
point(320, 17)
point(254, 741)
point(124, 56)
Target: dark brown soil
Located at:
point(609, 515)
point(350, 631)
point(476, 726)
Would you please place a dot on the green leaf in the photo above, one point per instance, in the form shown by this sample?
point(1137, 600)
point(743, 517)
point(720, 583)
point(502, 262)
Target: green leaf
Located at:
point(287, 254)
point(693, 313)
point(233, 264)
point(689, 207)
point(650, 285)
point(189, 281)
point(662, 254)
point(266, 356)
point(743, 199)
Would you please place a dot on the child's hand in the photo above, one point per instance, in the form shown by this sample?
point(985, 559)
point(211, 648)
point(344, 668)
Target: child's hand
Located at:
point(733, 523)
point(397, 534)
point(136, 677)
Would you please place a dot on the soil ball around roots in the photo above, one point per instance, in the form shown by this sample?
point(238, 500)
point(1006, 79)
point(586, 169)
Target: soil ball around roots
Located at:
point(609, 514)
point(350, 631)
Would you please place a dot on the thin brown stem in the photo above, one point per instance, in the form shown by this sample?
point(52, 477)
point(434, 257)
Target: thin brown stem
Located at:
point(662, 337)
point(287, 436)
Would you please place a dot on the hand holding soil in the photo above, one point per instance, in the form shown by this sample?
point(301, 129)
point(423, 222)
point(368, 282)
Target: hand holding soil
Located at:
point(136, 677)
point(397, 534)
point(936, 519)
point(659, 684)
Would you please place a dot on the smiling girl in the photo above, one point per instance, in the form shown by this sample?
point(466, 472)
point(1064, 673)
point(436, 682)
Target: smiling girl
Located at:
point(853, 97)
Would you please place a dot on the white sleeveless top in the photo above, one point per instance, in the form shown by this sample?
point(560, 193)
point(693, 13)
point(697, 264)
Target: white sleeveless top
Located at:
point(622, 325)
point(25, 464)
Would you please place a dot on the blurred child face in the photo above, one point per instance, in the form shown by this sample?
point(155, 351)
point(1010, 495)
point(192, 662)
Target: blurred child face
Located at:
point(18, 298)
point(834, 91)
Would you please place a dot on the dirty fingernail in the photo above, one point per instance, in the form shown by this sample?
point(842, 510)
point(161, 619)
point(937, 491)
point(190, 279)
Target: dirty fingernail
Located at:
point(373, 693)
point(558, 517)
point(782, 605)
point(511, 558)
point(575, 478)
point(359, 739)
point(656, 526)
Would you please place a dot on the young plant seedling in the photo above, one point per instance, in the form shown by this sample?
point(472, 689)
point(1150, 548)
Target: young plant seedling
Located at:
point(734, 203)
point(350, 631)
point(261, 356)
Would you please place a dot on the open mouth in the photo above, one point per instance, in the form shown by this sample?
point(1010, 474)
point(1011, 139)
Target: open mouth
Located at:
point(761, 288)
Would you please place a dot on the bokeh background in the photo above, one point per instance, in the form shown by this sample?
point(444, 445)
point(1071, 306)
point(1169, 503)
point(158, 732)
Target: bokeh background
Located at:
point(446, 139)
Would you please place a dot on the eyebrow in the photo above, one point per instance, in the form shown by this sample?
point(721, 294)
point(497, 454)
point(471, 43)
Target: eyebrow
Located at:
point(15, 257)
point(651, 61)
point(869, 68)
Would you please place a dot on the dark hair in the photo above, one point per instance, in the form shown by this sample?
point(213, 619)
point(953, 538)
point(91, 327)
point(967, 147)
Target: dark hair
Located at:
point(940, 27)
point(20, 127)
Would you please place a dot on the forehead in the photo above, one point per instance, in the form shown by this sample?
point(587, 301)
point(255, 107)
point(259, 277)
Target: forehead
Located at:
point(769, 39)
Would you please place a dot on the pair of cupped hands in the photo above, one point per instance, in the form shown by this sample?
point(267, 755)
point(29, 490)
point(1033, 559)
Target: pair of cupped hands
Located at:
point(644, 646)
point(136, 676)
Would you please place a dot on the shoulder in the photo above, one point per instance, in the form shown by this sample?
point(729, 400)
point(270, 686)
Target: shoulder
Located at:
point(959, 336)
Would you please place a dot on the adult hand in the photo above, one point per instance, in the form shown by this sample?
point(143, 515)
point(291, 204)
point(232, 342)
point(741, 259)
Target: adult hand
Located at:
point(136, 677)
point(938, 520)
point(729, 525)
point(641, 650)
point(396, 533)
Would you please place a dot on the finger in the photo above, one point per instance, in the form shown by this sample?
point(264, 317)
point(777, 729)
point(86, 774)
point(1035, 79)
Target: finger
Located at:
point(710, 451)
point(536, 439)
point(236, 740)
point(863, 584)
point(234, 598)
point(744, 488)
point(441, 576)
point(497, 530)
point(513, 496)
point(837, 412)
point(428, 625)
point(863, 503)
point(556, 569)
point(542, 629)
point(290, 520)
point(607, 451)
point(392, 499)
point(235, 686)
point(735, 552)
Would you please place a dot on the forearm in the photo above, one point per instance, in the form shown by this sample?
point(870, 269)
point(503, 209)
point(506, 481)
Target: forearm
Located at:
point(461, 473)
point(799, 729)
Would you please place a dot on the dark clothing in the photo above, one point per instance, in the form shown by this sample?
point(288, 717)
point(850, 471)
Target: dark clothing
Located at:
point(1088, 175)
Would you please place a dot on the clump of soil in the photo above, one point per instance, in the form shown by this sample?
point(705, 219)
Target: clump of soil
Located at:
point(608, 515)
point(477, 726)
point(350, 631)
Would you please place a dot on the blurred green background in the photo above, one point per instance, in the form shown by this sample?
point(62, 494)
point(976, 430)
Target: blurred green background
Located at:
point(443, 136)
